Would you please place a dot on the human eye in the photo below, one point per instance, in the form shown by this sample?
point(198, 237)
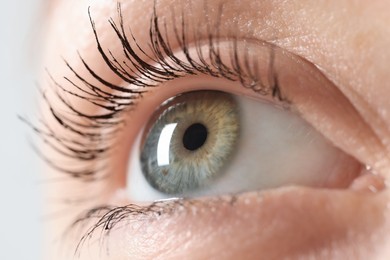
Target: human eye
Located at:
point(212, 143)
point(173, 123)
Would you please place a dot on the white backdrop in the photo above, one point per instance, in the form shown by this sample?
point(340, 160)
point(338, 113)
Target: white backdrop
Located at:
point(20, 200)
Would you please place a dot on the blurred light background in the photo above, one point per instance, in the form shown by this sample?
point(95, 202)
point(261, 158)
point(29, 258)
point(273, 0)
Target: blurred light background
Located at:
point(20, 199)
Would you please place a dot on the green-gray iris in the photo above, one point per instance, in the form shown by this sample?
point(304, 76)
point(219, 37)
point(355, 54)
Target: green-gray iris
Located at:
point(191, 141)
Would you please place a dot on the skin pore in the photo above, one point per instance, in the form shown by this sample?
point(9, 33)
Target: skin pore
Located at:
point(345, 40)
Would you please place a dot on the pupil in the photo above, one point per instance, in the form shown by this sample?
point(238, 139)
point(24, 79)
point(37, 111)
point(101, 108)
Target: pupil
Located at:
point(195, 136)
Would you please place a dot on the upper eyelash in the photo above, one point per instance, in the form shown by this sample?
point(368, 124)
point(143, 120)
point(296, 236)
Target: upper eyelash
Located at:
point(94, 145)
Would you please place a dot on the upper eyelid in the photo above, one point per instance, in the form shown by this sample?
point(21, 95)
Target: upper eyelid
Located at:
point(118, 107)
point(118, 102)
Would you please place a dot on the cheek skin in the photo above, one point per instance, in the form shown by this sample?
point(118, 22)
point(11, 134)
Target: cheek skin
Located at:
point(294, 223)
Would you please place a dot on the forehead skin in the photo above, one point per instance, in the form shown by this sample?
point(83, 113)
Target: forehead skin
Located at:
point(348, 41)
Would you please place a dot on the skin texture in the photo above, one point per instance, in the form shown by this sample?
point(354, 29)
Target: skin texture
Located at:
point(345, 40)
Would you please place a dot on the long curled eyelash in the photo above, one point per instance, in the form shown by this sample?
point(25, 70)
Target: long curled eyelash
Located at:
point(135, 71)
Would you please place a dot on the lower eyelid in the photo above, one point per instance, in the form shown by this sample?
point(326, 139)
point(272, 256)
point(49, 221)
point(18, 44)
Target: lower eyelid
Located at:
point(308, 218)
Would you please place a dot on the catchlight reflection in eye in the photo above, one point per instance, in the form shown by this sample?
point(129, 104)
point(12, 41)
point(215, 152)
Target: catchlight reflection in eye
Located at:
point(163, 145)
point(207, 143)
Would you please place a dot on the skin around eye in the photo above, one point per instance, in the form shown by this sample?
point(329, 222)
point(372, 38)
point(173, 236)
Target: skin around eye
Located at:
point(288, 222)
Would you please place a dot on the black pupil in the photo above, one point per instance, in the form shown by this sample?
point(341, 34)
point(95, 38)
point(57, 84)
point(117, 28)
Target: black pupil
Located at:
point(195, 136)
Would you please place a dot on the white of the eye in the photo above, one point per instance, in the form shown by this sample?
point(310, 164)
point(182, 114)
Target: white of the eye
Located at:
point(275, 148)
point(163, 144)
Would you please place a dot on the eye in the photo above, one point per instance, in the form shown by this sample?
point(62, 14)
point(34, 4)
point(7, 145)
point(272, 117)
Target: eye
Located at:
point(272, 146)
point(208, 142)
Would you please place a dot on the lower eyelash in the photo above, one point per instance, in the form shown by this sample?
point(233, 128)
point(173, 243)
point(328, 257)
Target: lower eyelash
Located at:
point(108, 218)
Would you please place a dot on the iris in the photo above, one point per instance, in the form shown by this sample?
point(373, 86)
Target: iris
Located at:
point(190, 142)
